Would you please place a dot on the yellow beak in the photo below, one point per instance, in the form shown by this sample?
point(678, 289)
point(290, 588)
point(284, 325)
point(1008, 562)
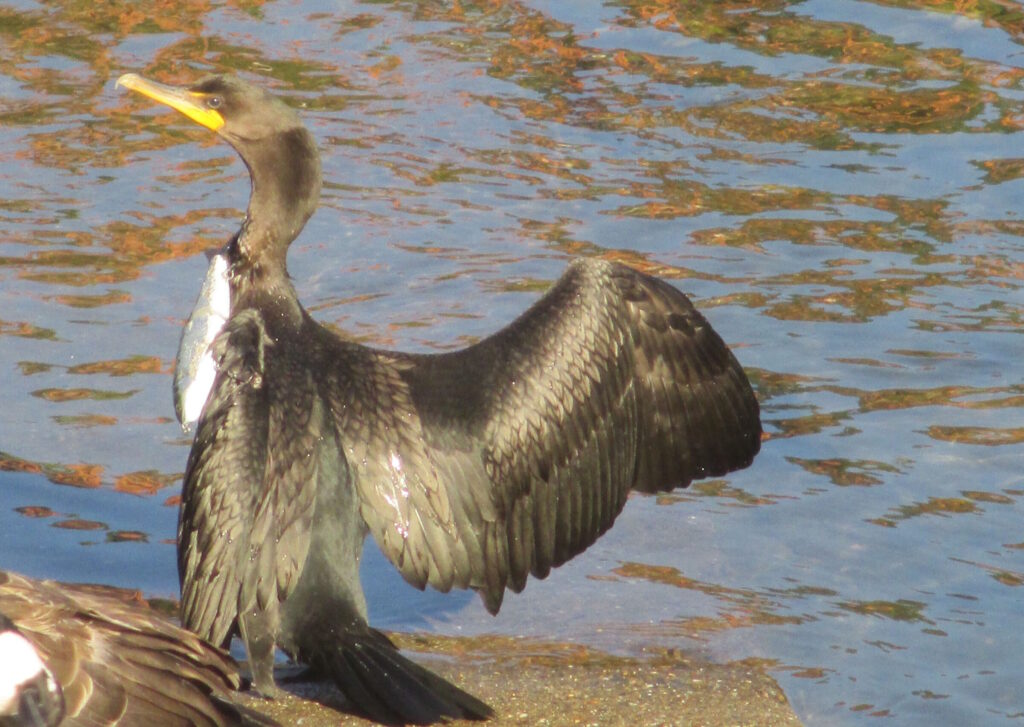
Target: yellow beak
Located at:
point(181, 99)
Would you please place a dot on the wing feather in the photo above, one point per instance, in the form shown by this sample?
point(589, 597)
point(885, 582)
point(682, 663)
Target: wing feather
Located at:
point(515, 454)
point(408, 509)
point(223, 482)
point(282, 522)
point(117, 661)
point(250, 483)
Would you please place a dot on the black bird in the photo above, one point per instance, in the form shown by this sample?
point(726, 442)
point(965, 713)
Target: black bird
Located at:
point(73, 655)
point(471, 469)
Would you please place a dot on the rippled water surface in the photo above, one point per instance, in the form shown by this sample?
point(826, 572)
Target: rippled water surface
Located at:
point(836, 184)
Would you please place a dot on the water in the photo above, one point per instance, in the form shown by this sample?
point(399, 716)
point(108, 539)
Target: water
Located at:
point(834, 183)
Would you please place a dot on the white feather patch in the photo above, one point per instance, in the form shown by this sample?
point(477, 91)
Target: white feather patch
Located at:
point(194, 368)
point(19, 663)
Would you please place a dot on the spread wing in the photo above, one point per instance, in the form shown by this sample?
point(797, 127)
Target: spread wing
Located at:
point(117, 662)
point(250, 482)
point(480, 467)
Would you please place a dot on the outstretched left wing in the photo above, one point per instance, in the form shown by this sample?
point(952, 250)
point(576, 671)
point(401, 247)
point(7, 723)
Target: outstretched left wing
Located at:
point(250, 483)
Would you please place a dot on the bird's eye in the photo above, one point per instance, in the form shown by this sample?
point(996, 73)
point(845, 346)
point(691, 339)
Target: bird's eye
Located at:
point(214, 102)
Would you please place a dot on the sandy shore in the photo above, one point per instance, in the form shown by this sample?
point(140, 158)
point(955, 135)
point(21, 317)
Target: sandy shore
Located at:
point(532, 683)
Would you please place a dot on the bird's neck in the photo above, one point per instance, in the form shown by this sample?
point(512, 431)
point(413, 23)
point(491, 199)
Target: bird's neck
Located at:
point(285, 174)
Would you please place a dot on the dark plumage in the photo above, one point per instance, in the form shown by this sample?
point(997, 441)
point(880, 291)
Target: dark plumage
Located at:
point(106, 662)
point(471, 469)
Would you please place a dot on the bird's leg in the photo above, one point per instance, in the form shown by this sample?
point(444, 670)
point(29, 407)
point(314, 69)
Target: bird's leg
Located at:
point(259, 632)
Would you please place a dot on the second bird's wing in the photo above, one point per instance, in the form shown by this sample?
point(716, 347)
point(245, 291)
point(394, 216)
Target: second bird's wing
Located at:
point(120, 663)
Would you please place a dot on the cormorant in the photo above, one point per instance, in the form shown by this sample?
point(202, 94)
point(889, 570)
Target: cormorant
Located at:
point(72, 655)
point(471, 469)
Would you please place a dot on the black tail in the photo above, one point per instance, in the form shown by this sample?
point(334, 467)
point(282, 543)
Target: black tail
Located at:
point(390, 689)
point(233, 713)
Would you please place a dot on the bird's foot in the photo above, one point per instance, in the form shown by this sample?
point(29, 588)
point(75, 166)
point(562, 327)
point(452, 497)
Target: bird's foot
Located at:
point(267, 691)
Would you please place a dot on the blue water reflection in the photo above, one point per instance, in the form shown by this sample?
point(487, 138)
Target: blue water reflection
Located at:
point(836, 184)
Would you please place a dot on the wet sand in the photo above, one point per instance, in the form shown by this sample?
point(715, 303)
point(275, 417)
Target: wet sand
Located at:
point(532, 683)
